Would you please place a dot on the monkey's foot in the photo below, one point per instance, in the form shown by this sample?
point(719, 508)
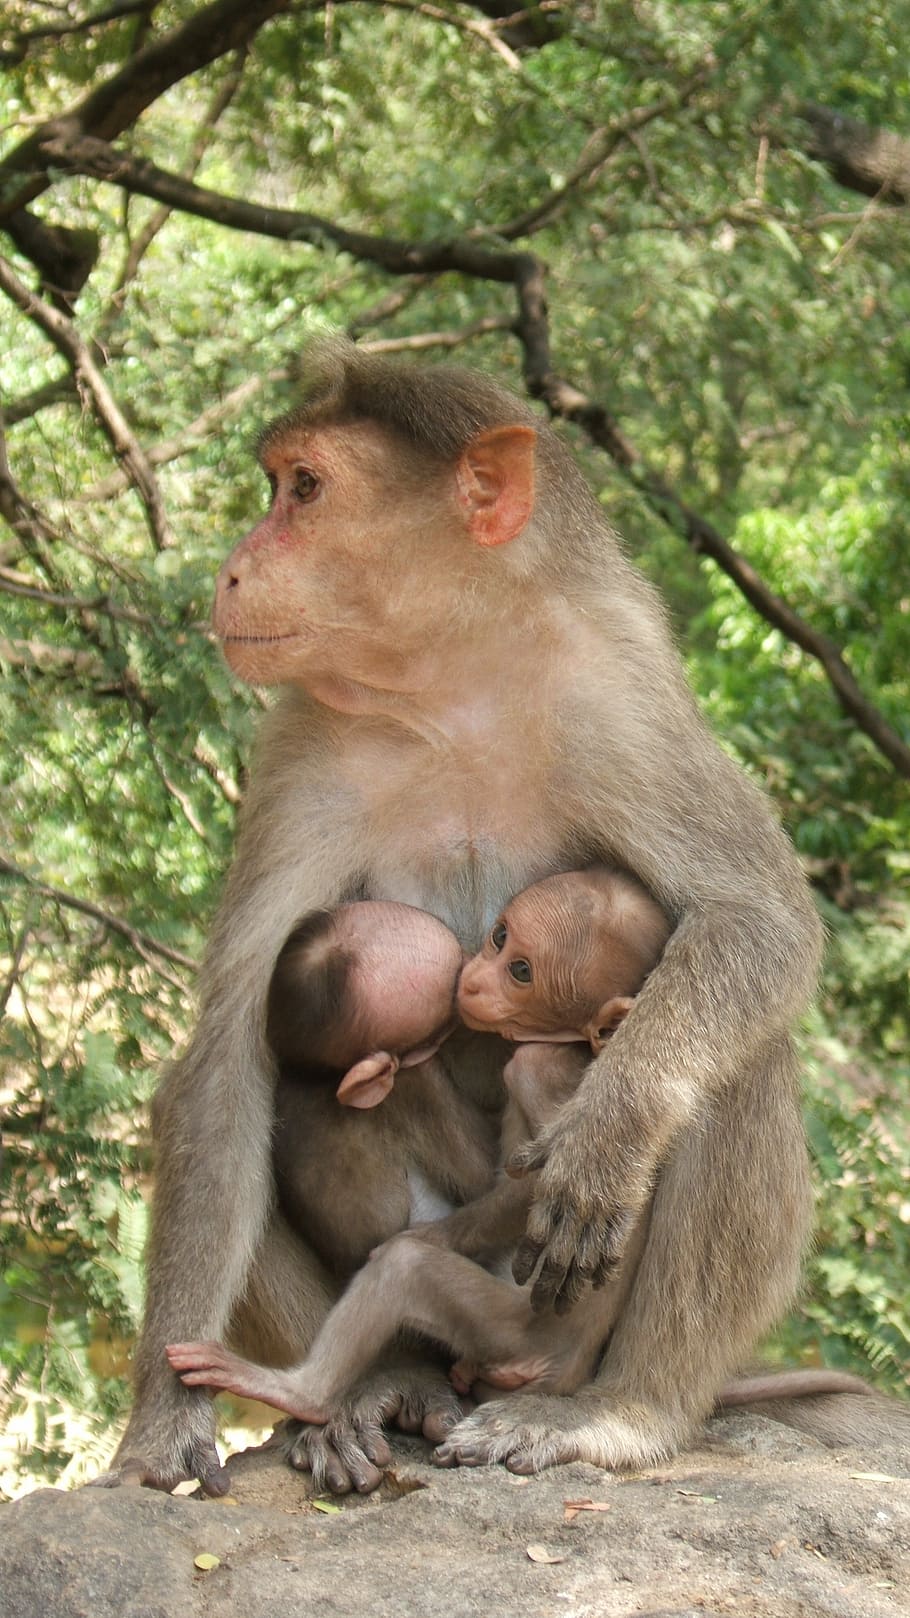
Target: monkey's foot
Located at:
point(174, 1443)
point(350, 1450)
point(506, 1376)
point(533, 1431)
point(211, 1365)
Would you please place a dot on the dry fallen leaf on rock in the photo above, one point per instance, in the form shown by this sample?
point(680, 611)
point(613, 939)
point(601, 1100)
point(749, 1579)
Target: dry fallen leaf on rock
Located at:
point(401, 1483)
point(539, 1553)
point(571, 1508)
point(205, 1561)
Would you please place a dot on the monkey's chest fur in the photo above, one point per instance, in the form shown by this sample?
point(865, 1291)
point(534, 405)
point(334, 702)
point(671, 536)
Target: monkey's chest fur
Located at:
point(459, 830)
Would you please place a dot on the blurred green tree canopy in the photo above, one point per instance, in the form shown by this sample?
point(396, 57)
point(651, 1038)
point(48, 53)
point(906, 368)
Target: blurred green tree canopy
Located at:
point(684, 230)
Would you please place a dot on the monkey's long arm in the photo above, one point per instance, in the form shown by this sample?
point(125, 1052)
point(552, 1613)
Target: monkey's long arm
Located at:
point(490, 1225)
point(737, 970)
point(214, 1109)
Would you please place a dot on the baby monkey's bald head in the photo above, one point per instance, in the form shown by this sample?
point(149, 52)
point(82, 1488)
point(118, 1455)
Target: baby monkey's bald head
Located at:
point(369, 976)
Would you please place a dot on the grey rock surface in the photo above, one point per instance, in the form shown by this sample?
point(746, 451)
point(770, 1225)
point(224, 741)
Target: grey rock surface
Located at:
point(757, 1521)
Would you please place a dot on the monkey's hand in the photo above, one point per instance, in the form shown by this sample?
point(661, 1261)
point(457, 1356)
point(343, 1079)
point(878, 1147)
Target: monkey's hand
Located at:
point(168, 1444)
point(589, 1196)
point(350, 1451)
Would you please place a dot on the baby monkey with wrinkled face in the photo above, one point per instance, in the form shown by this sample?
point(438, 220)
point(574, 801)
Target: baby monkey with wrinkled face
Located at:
point(561, 966)
point(565, 960)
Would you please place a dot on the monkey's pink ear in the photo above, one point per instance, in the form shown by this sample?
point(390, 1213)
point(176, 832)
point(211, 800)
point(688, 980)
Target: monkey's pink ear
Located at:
point(367, 1083)
point(607, 1021)
point(494, 480)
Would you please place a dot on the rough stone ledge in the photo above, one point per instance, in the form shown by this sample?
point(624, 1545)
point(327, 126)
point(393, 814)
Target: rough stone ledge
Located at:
point(758, 1521)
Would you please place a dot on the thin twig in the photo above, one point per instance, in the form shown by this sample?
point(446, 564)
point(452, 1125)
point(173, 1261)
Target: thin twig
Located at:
point(67, 341)
point(71, 603)
point(143, 943)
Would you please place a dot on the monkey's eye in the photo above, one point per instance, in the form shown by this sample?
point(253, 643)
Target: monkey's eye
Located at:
point(499, 935)
point(520, 971)
point(306, 483)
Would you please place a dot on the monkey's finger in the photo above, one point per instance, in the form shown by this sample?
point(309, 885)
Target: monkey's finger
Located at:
point(463, 1453)
point(521, 1463)
point(131, 1473)
point(527, 1157)
point(524, 1261)
point(437, 1424)
point(214, 1478)
point(200, 1379)
point(615, 1237)
point(374, 1445)
point(574, 1283)
point(550, 1284)
point(313, 1453)
point(350, 1454)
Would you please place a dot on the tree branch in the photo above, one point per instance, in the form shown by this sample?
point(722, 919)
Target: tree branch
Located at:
point(142, 943)
point(563, 399)
point(70, 603)
point(112, 106)
point(88, 155)
point(875, 162)
point(125, 445)
point(170, 449)
point(26, 37)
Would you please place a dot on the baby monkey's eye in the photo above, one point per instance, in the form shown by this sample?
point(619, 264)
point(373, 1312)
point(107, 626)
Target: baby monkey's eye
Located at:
point(306, 483)
point(499, 935)
point(520, 971)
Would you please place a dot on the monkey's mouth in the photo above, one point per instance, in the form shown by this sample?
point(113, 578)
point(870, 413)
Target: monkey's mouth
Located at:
point(476, 1024)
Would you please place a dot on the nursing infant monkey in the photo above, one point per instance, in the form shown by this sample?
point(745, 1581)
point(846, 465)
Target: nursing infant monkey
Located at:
point(561, 966)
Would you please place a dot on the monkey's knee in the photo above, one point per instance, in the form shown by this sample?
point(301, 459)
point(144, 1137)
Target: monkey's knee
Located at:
point(400, 1259)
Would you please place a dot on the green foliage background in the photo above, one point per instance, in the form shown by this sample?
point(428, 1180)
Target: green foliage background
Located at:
point(747, 321)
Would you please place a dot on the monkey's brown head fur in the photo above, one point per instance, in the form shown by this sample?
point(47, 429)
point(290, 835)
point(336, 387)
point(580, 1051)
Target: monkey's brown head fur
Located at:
point(392, 486)
point(565, 959)
point(436, 410)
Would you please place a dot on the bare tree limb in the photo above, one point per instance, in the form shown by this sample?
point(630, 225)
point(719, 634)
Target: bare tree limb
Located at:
point(70, 603)
point(875, 162)
point(440, 339)
point(126, 446)
point(88, 155)
point(195, 432)
point(142, 942)
point(113, 105)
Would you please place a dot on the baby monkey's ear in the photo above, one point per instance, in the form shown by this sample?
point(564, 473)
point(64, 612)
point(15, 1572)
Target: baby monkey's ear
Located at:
point(608, 1019)
point(368, 1082)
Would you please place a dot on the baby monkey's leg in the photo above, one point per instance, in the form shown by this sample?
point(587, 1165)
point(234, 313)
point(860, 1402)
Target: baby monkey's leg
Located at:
point(213, 1366)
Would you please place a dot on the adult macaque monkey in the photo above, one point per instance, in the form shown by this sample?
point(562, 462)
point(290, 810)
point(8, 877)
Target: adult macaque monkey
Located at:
point(482, 691)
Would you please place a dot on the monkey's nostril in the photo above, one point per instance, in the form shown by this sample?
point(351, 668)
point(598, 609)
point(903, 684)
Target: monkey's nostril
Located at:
point(233, 581)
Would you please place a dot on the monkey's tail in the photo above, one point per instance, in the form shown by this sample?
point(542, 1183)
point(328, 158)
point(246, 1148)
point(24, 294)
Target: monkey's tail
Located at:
point(831, 1406)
